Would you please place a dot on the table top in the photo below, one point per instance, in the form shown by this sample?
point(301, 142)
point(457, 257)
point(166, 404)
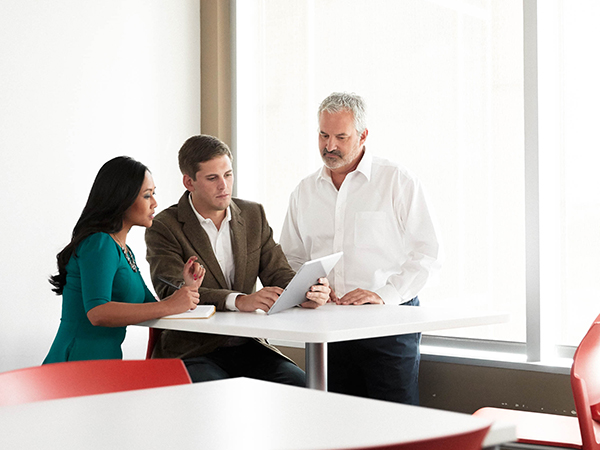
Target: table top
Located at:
point(334, 323)
point(227, 414)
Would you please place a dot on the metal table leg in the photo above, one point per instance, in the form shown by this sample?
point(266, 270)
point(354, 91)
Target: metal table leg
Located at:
point(316, 365)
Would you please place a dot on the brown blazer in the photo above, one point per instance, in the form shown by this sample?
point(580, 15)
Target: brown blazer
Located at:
point(176, 234)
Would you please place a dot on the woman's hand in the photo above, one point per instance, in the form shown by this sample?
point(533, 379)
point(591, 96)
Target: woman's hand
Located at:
point(193, 273)
point(187, 296)
point(183, 300)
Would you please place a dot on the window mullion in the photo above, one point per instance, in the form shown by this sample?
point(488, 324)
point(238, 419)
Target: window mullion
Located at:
point(532, 197)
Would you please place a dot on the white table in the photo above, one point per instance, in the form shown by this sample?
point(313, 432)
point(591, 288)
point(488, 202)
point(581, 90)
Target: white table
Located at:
point(331, 323)
point(238, 413)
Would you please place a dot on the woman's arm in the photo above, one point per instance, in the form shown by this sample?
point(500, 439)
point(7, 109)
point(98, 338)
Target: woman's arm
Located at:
point(119, 314)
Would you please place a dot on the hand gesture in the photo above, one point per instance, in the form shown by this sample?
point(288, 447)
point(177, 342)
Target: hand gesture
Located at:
point(187, 296)
point(193, 273)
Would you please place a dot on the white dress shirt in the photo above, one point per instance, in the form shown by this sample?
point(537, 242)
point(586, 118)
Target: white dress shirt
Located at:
point(220, 241)
point(380, 220)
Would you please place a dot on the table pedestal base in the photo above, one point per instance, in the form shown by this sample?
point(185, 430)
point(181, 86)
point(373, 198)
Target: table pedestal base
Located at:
point(316, 365)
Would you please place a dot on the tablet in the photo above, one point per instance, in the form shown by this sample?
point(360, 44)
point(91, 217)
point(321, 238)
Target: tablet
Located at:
point(307, 275)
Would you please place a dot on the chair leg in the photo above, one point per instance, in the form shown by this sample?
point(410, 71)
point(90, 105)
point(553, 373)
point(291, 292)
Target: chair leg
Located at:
point(520, 446)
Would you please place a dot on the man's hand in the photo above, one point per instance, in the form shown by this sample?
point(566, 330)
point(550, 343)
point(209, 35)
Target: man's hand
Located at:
point(318, 294)
point(333, 297)
point(360, 297)
point(262, 299)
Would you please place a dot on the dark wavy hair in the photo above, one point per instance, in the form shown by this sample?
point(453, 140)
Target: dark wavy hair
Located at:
point(115, 189)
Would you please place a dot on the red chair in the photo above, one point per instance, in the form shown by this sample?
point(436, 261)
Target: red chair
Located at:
point(77, 378)
point(581, 432)
point(471, 440)
point(153, 334)
point(585, 384)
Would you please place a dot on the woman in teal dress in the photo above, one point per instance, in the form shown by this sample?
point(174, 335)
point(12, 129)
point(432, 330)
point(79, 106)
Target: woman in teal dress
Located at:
point(98, 277)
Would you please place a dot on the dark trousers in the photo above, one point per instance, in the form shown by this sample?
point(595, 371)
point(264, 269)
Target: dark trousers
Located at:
point(251, 360)
point(384, 368)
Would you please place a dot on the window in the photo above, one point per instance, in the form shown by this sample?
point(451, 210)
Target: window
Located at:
point(444, 85)
point(569, 155)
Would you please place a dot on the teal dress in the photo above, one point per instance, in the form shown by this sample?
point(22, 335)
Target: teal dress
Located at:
point(96, 274)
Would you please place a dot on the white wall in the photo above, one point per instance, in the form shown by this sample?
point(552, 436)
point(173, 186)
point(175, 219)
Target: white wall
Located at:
point(80, 83)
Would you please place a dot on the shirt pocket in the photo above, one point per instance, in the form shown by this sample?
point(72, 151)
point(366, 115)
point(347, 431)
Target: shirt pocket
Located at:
point(374, 229)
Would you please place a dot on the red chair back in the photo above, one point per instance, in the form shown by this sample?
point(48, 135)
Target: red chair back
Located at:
point(471, 440)
point(585, 383)
point(153, 335)
point(77, 378)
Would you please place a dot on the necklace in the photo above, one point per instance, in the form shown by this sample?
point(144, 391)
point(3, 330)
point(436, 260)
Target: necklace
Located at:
point(128, 255)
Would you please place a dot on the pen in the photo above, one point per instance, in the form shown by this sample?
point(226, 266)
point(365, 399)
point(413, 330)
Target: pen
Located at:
point(169, 283)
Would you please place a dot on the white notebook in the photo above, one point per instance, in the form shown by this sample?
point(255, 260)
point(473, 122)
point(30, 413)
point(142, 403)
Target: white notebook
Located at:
point(201, 312)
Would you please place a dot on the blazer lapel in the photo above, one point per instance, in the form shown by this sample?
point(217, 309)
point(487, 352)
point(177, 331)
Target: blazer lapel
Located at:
point(199, 240)
point(239, 245)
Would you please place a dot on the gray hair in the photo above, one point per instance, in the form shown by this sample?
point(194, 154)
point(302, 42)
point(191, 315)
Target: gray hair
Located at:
point(343, 101)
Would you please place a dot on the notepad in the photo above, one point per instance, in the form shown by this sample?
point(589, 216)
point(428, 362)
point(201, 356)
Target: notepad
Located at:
point(201, 312)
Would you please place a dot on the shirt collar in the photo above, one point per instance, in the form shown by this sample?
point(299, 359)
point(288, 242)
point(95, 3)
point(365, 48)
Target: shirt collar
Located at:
point(364, 167)
point(365, 164)
point(201, 218)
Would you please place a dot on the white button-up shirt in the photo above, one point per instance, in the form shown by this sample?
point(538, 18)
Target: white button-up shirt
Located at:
point(380, 220)
point(220, 241)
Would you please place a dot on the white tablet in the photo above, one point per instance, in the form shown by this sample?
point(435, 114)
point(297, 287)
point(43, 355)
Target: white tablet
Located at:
point(307, 275)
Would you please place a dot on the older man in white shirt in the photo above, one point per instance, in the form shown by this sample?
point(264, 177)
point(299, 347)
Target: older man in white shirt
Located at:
point(375, 212)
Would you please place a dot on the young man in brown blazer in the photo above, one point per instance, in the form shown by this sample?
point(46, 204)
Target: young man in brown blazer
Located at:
point(234, 242)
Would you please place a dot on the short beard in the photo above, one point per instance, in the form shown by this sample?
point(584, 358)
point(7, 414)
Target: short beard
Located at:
point(338, 163)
